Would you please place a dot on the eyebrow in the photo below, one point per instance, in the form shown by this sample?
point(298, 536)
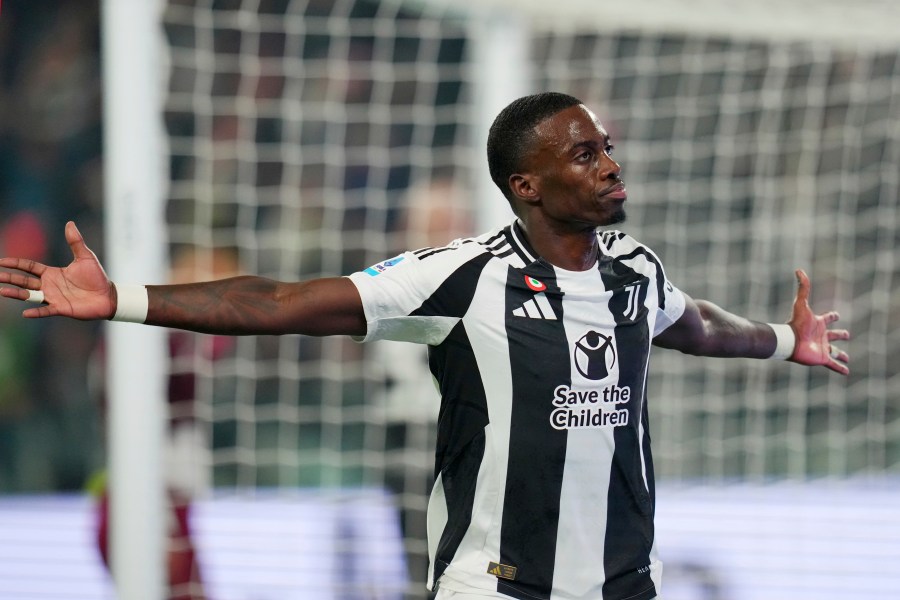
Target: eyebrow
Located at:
point(593, 144)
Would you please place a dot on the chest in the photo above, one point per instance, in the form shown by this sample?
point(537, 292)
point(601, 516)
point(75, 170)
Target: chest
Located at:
point(536, 316)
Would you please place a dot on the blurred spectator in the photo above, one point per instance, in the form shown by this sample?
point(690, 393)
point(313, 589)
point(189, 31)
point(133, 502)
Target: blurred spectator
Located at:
point(433, 214)
point(186, 458)
point(50, 148)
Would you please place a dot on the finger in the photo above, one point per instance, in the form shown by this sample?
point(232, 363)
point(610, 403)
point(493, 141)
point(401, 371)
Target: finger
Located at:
point(19, 280)
point(831, 317)
point(837, 334)
point(837, 354)
point(39, 312)
point(23, 264)
point(76, 242)
point(802, 286)
point(21, 294)
point(838, 367)
point(838, 362)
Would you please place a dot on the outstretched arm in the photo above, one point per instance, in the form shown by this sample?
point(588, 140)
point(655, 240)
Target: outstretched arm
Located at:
point(707, 330)
point(236, 306)
point(258, 306)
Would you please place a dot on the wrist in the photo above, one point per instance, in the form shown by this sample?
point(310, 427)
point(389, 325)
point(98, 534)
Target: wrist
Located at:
point(132, 303)
point(785, 341)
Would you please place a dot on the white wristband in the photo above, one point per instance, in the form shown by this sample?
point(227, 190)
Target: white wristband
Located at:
point(133, 303)
point(785, 341)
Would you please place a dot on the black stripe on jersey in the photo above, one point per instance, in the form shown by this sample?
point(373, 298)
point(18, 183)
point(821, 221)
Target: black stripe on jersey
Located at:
point(505, 253)
point(433, 251)
point(520, 240)
point(660, 276)
point(453, 297)
point(519, 243)
point(648, 455)
point(498, 240)
point(610, 237)
point(423, 250)
point(533, 487)
point(629, 528)
point(426, 252)
point(499, 245)
point(461, 440)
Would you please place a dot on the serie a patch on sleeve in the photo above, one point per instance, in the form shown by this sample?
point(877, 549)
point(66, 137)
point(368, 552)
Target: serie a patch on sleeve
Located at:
point(502, 571)
point(382, 266)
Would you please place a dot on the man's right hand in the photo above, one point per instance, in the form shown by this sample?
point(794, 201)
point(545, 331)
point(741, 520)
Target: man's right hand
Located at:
point(80, 291)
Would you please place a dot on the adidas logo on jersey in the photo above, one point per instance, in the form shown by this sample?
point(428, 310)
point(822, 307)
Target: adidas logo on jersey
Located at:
point(537, 307)
point(502, 571)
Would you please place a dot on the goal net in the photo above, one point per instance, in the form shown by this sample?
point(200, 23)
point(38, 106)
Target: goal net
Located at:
point(314, 138)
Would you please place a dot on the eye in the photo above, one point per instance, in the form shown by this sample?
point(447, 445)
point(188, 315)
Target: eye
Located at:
point(609, 149)
point(584, 156)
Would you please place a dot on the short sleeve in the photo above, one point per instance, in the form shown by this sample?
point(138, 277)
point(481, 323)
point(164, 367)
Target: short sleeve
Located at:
point(393, 292)
point(671, 309)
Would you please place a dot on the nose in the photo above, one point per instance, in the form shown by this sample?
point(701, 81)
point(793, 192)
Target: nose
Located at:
point(610, 169)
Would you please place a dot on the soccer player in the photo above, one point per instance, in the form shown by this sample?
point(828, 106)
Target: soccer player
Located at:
point(539, 336)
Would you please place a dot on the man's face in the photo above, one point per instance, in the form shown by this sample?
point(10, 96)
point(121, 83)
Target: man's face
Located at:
point(572, 170)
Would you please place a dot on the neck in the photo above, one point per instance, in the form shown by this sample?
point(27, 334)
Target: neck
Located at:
point(570, 250)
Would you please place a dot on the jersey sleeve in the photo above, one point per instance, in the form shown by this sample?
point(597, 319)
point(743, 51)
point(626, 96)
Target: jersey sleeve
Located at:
point(672, 308)
point(671, 299)
point(392, 293)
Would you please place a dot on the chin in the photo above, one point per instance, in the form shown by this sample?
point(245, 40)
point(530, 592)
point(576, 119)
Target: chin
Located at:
point(616, 217)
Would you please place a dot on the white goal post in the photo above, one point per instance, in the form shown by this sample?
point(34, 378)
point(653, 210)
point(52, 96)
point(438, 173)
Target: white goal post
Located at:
point(135, 189)
point(865, 23)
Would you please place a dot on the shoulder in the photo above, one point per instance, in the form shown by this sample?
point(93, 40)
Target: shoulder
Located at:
point(618, 243)
point(461, 248)
point(620, 247)
point(498, 243)
point(426, 267)
point(469, 254)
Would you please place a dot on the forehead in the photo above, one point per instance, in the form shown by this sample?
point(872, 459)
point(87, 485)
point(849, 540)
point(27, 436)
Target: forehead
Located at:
point(572, 126)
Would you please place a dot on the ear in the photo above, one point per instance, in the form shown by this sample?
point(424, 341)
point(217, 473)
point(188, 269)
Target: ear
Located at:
point(523, 188)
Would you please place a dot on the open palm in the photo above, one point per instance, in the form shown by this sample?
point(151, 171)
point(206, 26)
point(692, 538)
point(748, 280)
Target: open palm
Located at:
point(813, 345)
point(81, 290)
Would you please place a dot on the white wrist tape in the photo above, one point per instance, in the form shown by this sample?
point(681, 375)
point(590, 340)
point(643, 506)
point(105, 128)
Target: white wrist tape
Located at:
point(785, 341)
point(133, 303)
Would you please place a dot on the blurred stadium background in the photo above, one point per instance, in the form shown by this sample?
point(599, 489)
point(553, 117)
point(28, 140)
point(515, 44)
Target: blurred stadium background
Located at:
point(310, 138)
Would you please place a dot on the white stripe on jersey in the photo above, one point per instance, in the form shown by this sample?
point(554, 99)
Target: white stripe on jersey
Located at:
point(579, 521)
point(437, 520)
point(491, 350)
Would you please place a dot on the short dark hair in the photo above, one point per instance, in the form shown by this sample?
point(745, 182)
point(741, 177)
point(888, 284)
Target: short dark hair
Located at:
point(512, 133)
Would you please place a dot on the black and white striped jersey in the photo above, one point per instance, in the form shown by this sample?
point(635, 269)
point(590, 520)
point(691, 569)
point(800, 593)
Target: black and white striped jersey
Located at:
point(544, 479)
